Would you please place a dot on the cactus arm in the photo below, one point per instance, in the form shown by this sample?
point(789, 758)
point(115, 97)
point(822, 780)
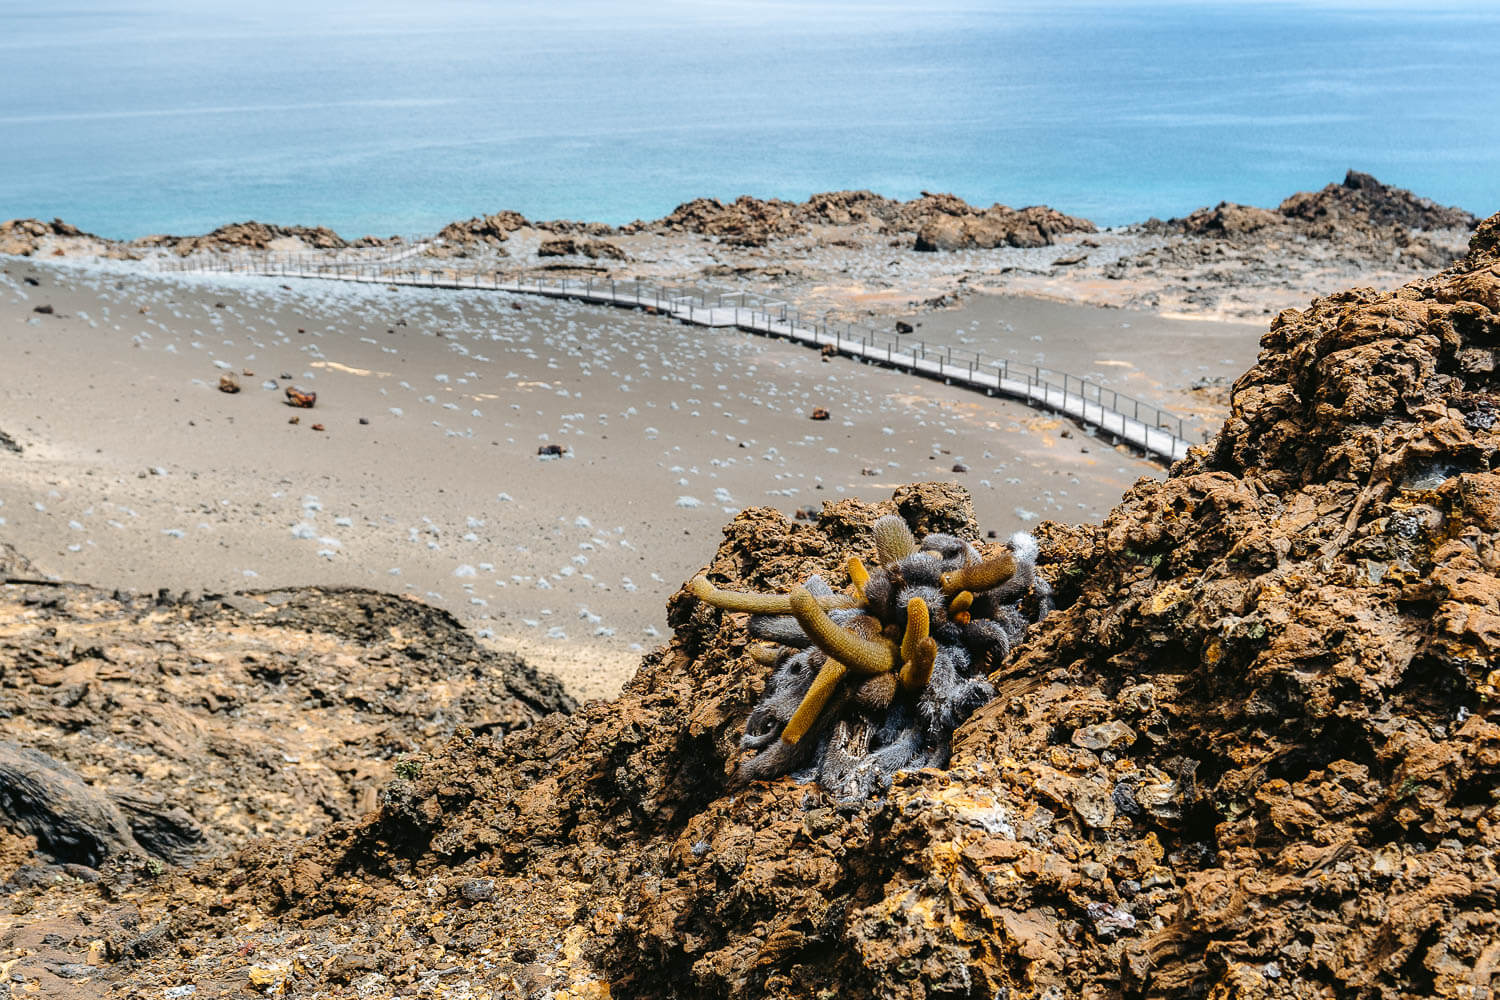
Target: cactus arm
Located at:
point(917, 624)
point(918, 670)
point(980, 576)
point(893, 540)
point(813, 702)
point(756, 604)
point(859, 575)
point(860, 655)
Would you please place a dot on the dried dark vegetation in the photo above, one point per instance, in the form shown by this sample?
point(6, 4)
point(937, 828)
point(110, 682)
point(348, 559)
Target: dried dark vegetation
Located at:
point(1254, 753)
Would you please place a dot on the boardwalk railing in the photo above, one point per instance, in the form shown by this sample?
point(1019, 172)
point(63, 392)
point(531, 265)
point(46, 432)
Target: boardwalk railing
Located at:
point(1144, 425)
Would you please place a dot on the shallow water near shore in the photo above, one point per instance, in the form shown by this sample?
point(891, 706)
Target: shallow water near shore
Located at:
point(383, 118)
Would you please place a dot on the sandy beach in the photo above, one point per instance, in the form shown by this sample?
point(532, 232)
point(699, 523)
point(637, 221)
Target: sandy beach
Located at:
point(136, 471)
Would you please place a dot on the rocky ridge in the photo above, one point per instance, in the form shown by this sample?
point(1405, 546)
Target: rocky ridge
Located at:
point(254, 236)
point(204, 722)
point(1360, 216)
point(1254, 754)
point(941, 221)
point(852, 252)
point(23, 237)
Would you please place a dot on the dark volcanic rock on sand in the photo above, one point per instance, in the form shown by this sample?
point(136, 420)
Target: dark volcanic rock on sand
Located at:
point(1036, 226)
point(491, 230)
point(241, 716)
point(943, 221)
point(22, 237)
point(746, 221)
point(1361, 216)
point(1363, 197)
point(567, 246)
point(253, 236)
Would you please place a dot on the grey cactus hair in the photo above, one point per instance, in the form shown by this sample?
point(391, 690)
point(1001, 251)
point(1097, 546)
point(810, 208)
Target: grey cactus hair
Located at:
point(868, 684)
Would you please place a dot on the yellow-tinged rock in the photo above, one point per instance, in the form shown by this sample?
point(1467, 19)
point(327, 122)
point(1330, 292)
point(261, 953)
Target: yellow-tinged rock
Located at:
point(591, 990)
point(1166, 599)
point(269, 979)
point(98, 953)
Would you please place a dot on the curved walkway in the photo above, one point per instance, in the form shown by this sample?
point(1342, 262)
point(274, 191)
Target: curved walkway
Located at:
point(1155, 431)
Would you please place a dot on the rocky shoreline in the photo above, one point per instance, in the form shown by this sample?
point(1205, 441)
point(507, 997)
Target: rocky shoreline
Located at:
point(1254, 753)
point(862, 255)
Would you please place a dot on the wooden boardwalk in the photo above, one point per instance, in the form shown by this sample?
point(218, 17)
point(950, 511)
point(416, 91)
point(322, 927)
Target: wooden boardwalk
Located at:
point(1142, 425)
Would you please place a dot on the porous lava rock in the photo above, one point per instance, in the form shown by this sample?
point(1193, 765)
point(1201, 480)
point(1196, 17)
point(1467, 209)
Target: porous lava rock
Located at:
point(949, 222)
point(252, 236)
point(1363, 197)
point(1254, 753)
point(491, 230)
point(746, 221)
point(568, 246)
point(1361, 217)
point(1229, 219)
point(226, 718)
point(24, 237)
point(1034, 226)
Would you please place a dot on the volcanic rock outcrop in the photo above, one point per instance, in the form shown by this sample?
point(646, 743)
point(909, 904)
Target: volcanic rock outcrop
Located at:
point(1361, 217)
point(1363, 197)
point(1255, 753)
point(747, 221)
point(209, 721)
point(23, 237)
point(568, 246)
point(253, 236)
point(491, 230)
point(942, 221)
point(1036, 226)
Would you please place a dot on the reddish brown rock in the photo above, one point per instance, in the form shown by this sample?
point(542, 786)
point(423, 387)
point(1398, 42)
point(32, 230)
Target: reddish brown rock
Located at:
point(250, 236)
point(491, 230)
point(22, 237)
point(1362, 218)
point(746, 221)
point(1036, 226)
point(1230, 219)
point(568, 246)
point(223, 718)
point(1254, 754)
point(1363, 197)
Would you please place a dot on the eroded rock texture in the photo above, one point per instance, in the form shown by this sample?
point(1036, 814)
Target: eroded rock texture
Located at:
point(254, 235)
point(197, 724)
point(1254, 754)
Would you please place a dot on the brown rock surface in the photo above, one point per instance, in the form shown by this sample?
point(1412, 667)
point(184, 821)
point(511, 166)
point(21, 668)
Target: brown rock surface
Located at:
point(491, 230)
point(1255, 753)
point(1363, 197)
point(951, 222)
point(1036, 226)
point(22, 237)
point(568, 246)
point(746, 221)
point(250, 236)
point(1362, 217)
point(252, 714)
point(1230, 219)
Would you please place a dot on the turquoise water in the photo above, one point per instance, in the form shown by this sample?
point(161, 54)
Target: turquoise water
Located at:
point(128, 118)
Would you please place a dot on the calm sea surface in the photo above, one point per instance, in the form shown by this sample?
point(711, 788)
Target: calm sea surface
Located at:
point(128, 118)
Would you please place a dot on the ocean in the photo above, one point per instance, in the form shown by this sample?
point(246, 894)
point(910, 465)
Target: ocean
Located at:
point(129, 117)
